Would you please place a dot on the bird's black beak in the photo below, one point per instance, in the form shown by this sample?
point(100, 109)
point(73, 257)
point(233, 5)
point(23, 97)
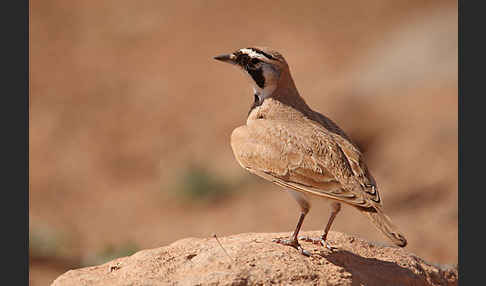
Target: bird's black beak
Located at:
point(227, 58)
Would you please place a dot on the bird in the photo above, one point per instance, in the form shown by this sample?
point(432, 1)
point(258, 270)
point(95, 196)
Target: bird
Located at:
point(307, 154)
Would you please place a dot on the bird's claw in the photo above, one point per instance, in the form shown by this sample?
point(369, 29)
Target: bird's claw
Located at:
point(294, 243)
point(319, 240)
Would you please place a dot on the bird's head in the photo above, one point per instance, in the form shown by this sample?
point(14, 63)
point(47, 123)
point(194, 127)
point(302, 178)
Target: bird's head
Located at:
point(265, 67)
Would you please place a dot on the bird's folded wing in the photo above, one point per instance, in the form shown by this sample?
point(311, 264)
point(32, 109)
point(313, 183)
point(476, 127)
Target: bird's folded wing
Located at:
point(355, 162)
point(305, 158)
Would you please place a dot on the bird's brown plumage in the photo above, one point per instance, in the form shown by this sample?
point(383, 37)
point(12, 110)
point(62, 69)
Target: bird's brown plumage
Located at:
point(286, 142)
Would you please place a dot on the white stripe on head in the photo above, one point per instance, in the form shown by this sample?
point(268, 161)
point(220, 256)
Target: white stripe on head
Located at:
point(253, 54)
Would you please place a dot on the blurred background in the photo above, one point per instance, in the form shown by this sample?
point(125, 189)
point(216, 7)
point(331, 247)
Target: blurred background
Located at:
point(130, 120)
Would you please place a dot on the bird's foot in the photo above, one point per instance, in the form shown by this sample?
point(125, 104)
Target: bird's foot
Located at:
point(319, 240)
point(294, 243)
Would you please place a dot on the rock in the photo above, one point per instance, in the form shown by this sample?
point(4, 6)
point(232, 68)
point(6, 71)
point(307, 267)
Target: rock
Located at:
point(253, 259)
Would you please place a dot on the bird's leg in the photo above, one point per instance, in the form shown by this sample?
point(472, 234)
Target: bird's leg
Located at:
point(336, 207)
point(293, 241)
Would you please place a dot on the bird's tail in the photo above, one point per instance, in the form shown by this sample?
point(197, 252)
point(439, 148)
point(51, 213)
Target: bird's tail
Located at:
point(382, 222)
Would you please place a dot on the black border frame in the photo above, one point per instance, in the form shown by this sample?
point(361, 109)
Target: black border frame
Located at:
point(17, 171)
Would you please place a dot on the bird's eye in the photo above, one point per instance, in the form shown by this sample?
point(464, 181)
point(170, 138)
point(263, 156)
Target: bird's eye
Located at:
point(254, 61)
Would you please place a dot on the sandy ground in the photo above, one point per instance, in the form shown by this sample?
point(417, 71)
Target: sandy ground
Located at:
point(126, 98)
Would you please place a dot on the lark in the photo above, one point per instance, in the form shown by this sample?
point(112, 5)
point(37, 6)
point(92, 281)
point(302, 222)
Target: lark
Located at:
point(286, 142)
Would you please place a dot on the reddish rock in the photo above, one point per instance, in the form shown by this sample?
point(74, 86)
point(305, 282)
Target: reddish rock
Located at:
point(253, 259)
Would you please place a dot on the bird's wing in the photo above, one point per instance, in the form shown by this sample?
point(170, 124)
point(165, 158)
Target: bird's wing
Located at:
point(306, 158)
point(355, 161)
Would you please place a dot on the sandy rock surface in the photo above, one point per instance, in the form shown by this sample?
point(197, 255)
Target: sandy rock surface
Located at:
point(253, 259)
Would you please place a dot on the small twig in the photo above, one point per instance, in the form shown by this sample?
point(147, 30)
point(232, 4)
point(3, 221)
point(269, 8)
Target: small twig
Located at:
point(216, 237)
